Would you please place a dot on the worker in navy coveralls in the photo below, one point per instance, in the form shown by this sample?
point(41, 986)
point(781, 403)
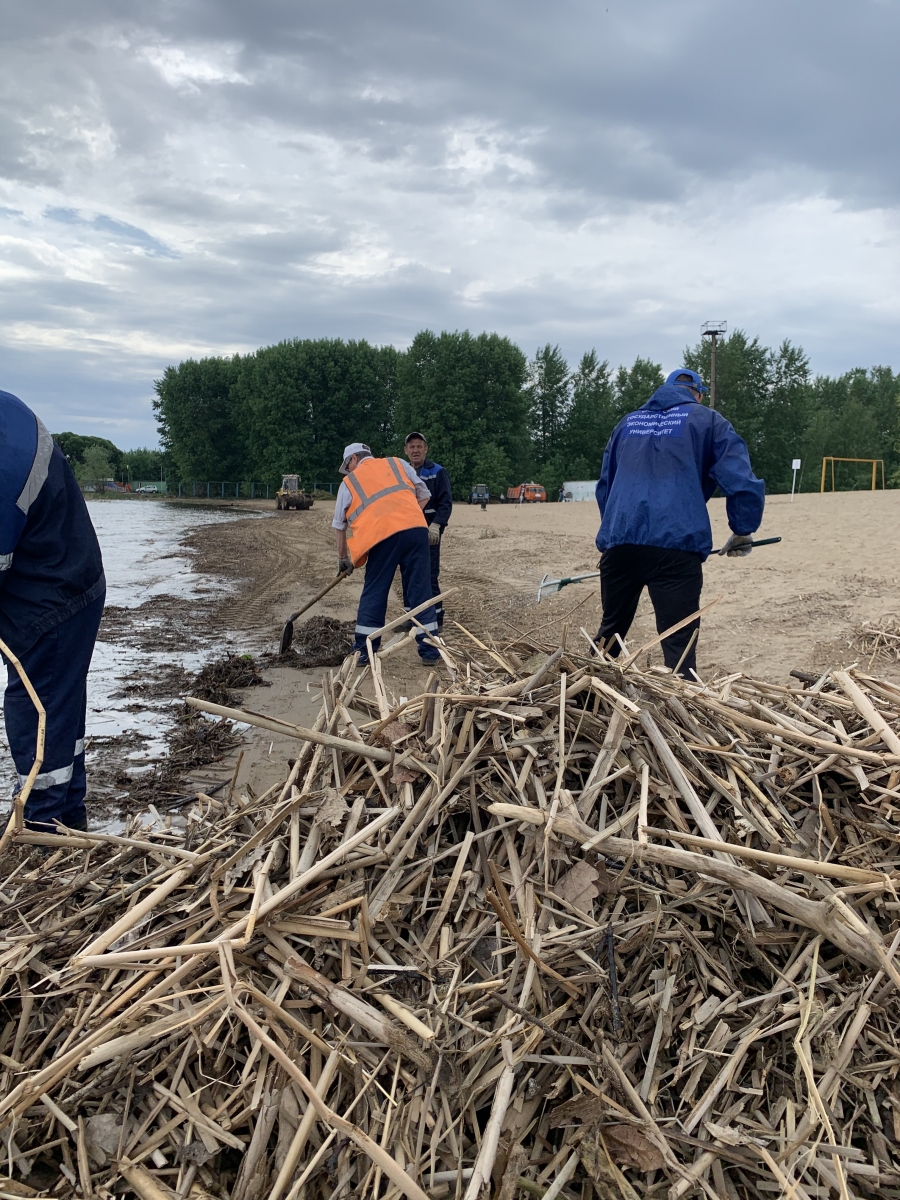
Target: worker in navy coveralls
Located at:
point(437, 510)
point(661, 466)
point(378, 521)
point(52, 591)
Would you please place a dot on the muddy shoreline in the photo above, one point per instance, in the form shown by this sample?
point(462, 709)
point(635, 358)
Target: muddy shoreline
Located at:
point(249, 576)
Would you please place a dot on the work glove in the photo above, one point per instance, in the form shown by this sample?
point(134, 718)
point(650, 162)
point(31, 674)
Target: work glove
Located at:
point(345, 564)
point(434, 534)
point(738, 545)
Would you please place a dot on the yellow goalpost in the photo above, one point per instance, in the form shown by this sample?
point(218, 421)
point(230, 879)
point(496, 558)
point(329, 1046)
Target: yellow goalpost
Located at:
point(876, 462)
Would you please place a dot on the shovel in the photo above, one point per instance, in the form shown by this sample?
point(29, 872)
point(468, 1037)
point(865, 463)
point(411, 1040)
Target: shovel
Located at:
point(287, 634)
point(547, 584)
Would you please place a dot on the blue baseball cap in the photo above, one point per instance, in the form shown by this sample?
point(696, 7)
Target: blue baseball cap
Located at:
point(686, 378)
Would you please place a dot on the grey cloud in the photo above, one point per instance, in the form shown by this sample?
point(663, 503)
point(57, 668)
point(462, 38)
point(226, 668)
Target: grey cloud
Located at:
point(119, 231)
point(710, 87)
point(204, 176)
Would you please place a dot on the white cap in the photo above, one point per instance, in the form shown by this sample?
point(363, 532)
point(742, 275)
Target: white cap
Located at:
point(349, 451)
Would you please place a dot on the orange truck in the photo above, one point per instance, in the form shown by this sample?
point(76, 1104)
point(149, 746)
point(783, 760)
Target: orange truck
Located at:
point(526, 493)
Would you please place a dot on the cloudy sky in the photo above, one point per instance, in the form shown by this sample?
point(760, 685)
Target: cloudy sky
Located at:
point(188, 178)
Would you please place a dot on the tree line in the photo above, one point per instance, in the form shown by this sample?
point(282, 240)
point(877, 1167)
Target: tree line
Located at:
point(97, 460)
point(492, 415)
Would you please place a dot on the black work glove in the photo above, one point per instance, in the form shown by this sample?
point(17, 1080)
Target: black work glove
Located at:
point(345, 564)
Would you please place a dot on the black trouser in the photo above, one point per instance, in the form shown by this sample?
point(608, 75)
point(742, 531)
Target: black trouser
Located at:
point(674, 579)
point(434, 559)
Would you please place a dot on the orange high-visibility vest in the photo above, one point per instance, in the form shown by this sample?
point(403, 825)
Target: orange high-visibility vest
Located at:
point(383, 501)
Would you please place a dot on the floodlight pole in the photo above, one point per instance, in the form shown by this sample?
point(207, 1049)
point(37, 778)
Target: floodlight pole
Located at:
point(713, 330)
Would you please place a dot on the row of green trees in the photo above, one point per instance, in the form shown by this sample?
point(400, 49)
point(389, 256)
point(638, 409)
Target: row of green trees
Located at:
point(783, 412)
point(491, 415)
point(96, 460)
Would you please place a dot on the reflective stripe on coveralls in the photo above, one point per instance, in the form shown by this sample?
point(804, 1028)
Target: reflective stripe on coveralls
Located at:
point(57, 666)
point(37, 476)
point(48, 779)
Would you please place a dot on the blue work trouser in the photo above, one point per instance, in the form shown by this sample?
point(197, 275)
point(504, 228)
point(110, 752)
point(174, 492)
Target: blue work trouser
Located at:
point(434, 554)
point(57, 666)
point(407, 550)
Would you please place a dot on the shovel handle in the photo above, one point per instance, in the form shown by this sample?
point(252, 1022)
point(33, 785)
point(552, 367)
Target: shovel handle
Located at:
point(761, 542)
point(318, 596)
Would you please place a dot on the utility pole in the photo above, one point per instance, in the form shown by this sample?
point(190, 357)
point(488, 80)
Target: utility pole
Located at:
point(713, 330)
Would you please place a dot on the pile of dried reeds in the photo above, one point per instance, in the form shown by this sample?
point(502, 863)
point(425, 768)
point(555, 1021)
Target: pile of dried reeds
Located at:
point(540, 930)
point(880, 640)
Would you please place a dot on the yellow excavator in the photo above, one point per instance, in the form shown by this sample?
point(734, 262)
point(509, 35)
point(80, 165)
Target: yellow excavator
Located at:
point(291, 495)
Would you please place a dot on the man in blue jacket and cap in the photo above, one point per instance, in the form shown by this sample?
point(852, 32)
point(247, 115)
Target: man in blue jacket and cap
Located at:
point(52, 590)
point(437, 510)
point(660, 468)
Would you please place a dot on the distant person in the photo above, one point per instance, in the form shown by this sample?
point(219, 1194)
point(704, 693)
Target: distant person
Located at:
point(562, 495)
point(437, 510)
point(52, 591)
point(661, 466)
point(378, 520)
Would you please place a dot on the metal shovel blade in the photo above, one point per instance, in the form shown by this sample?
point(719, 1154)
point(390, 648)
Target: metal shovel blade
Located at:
point(287, 636)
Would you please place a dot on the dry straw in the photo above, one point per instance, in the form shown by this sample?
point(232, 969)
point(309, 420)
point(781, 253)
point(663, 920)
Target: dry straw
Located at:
point(550, 928)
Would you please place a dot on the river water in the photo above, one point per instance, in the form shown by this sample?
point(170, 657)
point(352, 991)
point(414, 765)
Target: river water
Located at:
point(142, 553)
point(143, 556)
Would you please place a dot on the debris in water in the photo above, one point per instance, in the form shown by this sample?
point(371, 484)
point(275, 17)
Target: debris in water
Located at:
point(215, 680)
point(195, 741)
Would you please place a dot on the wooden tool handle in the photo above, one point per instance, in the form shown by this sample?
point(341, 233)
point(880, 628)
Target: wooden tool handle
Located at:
point(318, 596)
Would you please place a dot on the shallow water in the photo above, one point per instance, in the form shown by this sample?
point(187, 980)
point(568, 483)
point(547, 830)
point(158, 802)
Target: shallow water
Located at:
point(143, 558)
point(142, 554)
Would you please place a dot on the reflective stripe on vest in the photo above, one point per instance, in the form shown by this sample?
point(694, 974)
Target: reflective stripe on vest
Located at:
point(400, 483)
point(383, 502)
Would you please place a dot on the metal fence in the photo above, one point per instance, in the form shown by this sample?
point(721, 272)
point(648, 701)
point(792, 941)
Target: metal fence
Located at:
point(206, 489)
point(220, 489)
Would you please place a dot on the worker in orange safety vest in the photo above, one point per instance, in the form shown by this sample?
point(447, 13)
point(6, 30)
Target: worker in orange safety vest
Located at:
point(378, 521)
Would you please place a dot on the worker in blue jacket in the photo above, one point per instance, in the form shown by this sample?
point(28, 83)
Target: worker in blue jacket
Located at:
point(437, 510)
point(52, 590)
point(661, 466)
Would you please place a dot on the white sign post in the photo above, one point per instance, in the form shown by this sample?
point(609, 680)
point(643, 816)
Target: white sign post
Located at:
point(795, 467)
